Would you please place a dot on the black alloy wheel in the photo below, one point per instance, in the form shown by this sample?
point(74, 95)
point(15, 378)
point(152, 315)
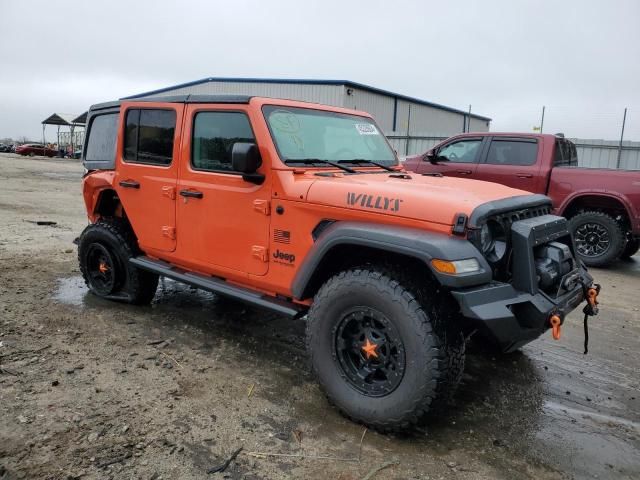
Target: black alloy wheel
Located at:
point(101, 269)
point(599, 238)
point(369, 351)
point(592, 239)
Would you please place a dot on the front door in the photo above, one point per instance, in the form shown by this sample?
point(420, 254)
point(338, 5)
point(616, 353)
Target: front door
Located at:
point(147, 173)
point(459, 158)
point(223, 220)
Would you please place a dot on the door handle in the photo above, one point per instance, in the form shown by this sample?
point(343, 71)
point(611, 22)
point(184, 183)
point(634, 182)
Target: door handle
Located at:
point(464, 172)
point(129, 184)
point(191, 193)
point(524, 175)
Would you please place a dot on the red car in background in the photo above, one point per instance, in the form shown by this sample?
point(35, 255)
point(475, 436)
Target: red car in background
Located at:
point(33, 149)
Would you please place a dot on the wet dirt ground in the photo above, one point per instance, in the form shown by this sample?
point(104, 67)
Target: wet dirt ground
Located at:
point(95, 389)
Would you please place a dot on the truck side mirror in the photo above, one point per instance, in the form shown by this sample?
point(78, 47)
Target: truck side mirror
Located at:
point(433, 157)
point(246, 159)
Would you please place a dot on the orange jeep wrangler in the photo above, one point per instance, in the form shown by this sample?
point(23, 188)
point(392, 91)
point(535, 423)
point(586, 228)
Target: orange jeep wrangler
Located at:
point(304, 210)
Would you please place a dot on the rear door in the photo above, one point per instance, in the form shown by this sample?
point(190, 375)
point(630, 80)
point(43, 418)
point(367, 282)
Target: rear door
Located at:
point(147, 172)
point(514, 162)
point(223, 220)
point(462, 156)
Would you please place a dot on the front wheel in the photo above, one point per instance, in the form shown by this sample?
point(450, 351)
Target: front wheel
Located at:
point(104, 251)
point(599, 238)
point(374, 350)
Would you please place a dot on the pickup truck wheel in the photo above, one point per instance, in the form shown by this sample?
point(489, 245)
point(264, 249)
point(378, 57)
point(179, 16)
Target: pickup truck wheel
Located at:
point(631, 248)
point(599, 238)
point(374, 350)
point(104, 251)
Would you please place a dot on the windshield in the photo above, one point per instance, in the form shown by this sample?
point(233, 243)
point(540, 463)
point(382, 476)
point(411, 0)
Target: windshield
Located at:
point(304, 134)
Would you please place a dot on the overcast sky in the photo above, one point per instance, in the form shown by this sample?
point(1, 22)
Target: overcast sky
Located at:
point(506, 58)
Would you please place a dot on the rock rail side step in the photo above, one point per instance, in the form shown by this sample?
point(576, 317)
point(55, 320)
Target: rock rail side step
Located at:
point(219, 286)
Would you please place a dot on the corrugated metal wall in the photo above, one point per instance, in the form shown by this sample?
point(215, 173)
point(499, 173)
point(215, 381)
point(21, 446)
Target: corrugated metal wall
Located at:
point(416, 145)
point(327, 94)
point(604, 154)
point(377, 105)
point(430, 121)
point(478, 125)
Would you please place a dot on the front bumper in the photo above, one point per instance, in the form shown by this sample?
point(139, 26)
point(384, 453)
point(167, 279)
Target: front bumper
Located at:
point(518, 312)
point(513, 318)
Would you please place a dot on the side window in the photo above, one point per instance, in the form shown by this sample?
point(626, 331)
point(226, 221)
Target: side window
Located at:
point(101, 142)
point(511, 152)
point(565, 154)
point(214, 134)
point(462, 151)
point(149, 136)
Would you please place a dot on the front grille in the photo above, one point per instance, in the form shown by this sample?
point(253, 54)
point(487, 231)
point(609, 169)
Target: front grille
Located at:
point(502, 267)
point(514, 216)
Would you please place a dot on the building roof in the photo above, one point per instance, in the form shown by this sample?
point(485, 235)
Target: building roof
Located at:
point(346, 83)
point(64, 119)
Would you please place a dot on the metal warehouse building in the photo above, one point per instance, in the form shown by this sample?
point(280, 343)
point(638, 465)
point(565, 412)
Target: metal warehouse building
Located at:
point(412, 125)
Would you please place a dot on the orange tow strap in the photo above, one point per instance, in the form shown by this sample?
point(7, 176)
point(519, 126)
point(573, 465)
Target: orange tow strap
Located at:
point(555, 326)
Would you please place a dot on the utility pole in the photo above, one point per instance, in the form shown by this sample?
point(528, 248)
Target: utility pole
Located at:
point(624, 120)
point(542, 119)
point(469, 120)
point(406, 146)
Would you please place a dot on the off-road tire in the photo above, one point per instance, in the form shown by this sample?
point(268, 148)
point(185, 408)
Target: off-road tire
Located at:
point(631, 248)
point(454, 358)
point(132, 285)
point(615, 233)
point(425, 365)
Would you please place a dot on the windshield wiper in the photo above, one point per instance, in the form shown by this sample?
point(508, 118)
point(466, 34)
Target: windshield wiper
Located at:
point(311, 161)
point(370, 162)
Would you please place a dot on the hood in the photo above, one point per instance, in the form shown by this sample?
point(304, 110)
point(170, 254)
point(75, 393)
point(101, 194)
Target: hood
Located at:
point(426, 198)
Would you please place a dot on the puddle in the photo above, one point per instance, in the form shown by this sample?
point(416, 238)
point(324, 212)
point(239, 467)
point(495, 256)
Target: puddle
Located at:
point(71, 291)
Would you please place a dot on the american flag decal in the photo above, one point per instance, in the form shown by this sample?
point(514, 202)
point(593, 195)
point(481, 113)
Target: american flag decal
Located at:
point(281, 236)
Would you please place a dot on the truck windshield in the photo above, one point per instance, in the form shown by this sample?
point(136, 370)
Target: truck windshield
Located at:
point(303, 134)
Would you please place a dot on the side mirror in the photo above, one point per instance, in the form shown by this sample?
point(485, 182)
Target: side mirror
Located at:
point(246, 159)
point(434, 158)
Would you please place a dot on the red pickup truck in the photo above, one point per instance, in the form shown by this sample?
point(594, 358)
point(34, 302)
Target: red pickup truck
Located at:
point(602, 205)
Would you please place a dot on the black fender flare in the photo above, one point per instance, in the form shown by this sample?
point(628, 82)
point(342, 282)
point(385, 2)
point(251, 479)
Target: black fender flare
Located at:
point(412, 242)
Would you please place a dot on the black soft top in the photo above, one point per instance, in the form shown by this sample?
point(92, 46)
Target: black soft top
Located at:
point(191, 98)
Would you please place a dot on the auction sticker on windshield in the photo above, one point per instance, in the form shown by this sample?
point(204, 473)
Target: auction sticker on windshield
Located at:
point(366, 129)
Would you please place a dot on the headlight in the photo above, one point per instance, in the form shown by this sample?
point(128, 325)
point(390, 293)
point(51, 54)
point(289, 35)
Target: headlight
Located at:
point(493, 240)
point(486, 239)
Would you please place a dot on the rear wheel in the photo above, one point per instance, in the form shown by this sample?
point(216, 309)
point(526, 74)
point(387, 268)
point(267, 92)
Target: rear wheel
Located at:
point(598, 236)
point(104, 251)
point(374, 350)
point(631, 248)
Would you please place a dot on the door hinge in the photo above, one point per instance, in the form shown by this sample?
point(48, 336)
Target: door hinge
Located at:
point(260, 252)
point(262, 206)
point(169, 191)
point(169, 232)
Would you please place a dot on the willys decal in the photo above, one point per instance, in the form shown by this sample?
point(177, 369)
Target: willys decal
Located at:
point(377, 202)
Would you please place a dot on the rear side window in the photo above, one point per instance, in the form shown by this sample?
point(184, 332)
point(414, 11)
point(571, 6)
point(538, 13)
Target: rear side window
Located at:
point(149, 136)
point(565, 154)
point(511, 152)
point(214, 134)
point(101, 142)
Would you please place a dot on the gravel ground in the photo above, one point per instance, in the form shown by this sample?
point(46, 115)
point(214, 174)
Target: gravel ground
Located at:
point(94, 389)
